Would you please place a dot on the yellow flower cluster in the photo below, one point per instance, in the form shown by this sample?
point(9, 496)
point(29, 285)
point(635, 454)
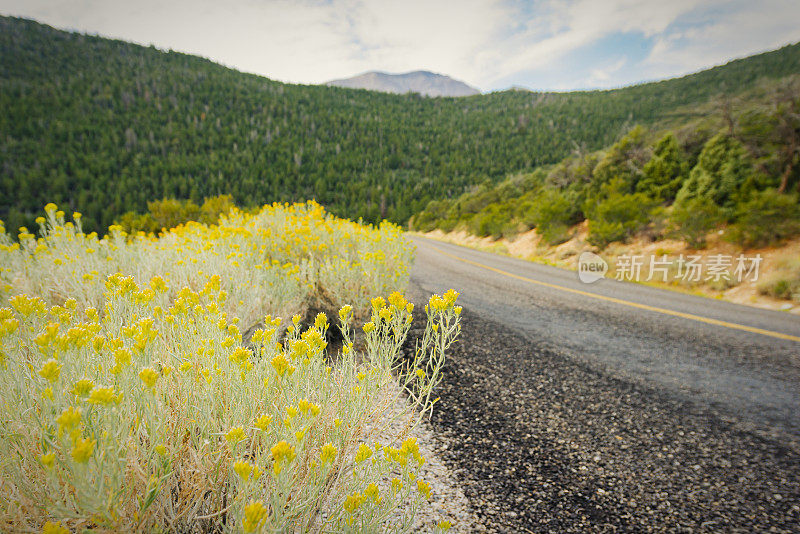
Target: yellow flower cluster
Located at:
point(146, 369)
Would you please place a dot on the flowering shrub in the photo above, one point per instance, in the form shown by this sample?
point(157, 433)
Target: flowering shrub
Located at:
point(135, 401)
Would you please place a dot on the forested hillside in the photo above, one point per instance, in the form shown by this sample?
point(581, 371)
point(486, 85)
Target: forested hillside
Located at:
point(105, 126)
point(737, 170)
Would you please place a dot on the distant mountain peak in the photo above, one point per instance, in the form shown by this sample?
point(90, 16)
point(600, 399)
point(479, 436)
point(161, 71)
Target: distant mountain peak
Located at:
point(418, 81)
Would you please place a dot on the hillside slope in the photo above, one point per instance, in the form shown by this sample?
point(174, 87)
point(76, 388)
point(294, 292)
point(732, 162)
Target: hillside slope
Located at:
point(422, 82)
point(104, 126)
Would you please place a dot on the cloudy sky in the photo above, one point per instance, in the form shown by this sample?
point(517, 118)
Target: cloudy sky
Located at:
point(491, 44)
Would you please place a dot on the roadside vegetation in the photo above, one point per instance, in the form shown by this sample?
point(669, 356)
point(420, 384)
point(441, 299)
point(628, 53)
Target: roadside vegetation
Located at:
point(736, 171)
point(177, 382)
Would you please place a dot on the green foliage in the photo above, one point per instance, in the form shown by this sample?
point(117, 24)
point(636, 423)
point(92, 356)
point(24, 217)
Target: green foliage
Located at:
point(170, 212)
point(108, 126)
point(772, 135)
point(784, 281)
point(615, 215)
point(730, 182)
point(624, 161)
point(693, 219)
point(133, 223)
point(493, 221)
point(664, 174)
point(431, 217)
point(552, 212)
point(768, 218)
point(723, 174)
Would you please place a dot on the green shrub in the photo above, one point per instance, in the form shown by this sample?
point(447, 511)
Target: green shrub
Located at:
point(723, 174)
point(784, 282)
point(448, 225)
point(768, 218)
point(493, 221)
point(431, 217)
point(623, 162)
point(665, 172)
point(555, 234)
point(133, 223)
point(551, 213)
point(616, 216)
point(213, 207)
point(693, 219)
point(170, 212)
point(424, 221)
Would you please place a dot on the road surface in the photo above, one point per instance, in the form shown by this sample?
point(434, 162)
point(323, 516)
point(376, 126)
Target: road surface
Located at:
point(615, 406)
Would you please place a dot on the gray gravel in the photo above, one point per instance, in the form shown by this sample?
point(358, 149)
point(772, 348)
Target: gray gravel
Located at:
point(559, 415)
point(447, 502)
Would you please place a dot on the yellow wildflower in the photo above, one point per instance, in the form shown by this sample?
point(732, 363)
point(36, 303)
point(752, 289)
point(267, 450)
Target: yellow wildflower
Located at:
point(51, 370)
point(282, 453)
point(397, 300)
point(353, 502)
point(397, 484)
point(328, 453)
point(235, 435)
point(103, 396)
point(263, 422)
point(47, 459)
point(82, 449)
point(246, 471)
point(69, 418)
point(450, 297)
point(280, 363)
point(364, 452)
point(378, 303)
point(82, 387)
point(149, 376)
point(304, 405)
point(54, 528)
point(372, 492)
point(424, 488)
point(254, 514)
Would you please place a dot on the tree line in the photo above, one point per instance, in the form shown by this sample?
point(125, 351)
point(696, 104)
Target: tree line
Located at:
point(736, 169)
point(104, 127)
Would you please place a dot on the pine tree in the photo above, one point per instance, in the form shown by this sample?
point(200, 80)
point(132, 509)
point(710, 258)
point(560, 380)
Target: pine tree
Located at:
point(664, 174)
point(722, 174)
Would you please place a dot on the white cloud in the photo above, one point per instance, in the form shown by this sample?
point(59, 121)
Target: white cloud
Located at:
point(571, 25)
point(483, 42)
point(601, 77)
point(750, 28)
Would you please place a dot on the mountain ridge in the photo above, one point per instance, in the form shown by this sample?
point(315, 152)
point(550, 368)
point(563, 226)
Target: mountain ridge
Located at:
point(104, 126)
point(424, 82)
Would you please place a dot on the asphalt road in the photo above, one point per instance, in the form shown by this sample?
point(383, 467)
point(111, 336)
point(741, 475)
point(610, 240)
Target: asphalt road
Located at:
point(750, 376)
point(564, 412)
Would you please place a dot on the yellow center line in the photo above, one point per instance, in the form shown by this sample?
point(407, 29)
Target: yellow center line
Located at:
point(665, 311)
